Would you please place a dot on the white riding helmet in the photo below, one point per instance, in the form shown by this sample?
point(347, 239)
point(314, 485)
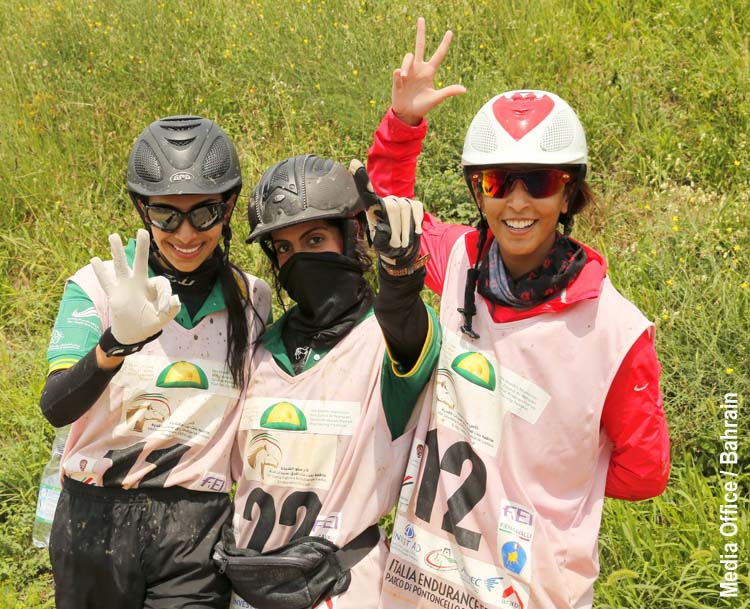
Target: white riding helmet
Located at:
point(525, 128)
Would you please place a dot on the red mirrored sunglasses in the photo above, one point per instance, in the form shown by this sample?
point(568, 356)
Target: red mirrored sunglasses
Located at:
point(539, 183)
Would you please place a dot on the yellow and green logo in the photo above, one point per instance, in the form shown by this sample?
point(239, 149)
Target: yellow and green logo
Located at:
point(182, 374)
point(284, 415)
point(476, 368)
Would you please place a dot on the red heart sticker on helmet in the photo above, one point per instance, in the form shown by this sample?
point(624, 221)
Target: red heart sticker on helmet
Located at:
point(521, 112)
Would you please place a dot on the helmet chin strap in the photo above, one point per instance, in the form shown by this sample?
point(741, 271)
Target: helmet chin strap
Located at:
point(472, 276)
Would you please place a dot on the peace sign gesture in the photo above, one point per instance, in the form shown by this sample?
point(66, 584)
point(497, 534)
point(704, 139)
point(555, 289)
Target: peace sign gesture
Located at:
point(413, 94)
point(139, 306)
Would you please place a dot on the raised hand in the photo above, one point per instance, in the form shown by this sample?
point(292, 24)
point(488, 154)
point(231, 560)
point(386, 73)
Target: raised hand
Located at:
point(413, 94)
point(139, 306)
point(394, 223)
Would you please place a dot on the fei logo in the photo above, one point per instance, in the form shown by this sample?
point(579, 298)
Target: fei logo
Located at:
point(516, 520)
point(518, 514)
point(213, 482)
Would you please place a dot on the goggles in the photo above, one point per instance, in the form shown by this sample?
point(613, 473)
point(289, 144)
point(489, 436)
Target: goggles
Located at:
point(202, 217)
point(539, 183)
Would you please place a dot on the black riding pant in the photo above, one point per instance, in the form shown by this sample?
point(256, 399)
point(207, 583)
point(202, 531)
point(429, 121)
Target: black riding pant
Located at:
point(137, 549)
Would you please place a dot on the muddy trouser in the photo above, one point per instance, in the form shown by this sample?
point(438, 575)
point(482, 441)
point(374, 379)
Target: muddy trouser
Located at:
point(137, 549)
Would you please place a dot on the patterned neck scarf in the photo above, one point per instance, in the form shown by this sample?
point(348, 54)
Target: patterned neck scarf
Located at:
point(561, 266)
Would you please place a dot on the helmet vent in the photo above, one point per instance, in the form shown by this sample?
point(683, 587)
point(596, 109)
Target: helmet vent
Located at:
point(180, 123)
point(282, 175)
point(558, 135)
point(217, 161)
point(181, 143)
point(482, 137)
point(146, 164)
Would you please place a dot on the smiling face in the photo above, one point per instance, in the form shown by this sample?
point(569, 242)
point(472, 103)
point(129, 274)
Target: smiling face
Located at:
point(315, 236)
point(186, 248)
point(523, 226)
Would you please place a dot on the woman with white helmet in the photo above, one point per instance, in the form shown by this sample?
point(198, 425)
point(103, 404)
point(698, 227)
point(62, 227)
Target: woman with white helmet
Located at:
point(333, 403)
point(547, 389)
point(148, 358)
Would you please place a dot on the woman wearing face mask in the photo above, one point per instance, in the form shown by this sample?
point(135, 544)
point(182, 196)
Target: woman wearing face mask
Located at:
point(147, 360)
point(330, 412)
point(552, 372)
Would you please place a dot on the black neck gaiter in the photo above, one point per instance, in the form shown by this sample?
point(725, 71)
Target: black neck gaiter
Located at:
point(331, 295)
point(193, 288)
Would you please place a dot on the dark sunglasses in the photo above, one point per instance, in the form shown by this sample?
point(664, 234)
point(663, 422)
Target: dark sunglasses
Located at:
point(202, 217)
point(540, 183)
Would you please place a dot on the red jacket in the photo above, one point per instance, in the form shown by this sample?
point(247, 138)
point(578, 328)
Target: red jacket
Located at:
point(633, 416)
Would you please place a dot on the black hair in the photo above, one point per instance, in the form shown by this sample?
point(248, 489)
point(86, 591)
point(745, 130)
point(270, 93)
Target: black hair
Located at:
point(236, 293)
point(579, 196)
point(237, 297)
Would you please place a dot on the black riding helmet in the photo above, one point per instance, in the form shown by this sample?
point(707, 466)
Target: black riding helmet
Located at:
point(184, 155)
point(300, 189)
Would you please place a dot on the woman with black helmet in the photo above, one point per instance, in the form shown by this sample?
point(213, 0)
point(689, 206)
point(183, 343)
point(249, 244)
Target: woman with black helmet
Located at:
point(147, 360)
point(327, 424)
point(552, 372)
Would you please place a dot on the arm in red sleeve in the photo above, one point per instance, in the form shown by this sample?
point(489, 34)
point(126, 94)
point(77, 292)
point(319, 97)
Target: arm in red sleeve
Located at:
point(392, 167)
point(392, 158)
point(633, 417)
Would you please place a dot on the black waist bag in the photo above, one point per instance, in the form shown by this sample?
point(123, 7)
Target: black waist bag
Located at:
point(299, 575)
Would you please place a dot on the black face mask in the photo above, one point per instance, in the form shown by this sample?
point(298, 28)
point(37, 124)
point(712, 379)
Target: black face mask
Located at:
point(331, 295)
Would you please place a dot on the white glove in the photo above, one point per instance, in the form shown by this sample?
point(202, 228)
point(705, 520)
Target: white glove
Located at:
point(395, 223)
point(139, 307)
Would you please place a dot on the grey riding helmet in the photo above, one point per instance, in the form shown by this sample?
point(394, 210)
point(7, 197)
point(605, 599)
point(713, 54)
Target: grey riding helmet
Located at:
point(300, 189)
point(181, 155)
point(184, 155)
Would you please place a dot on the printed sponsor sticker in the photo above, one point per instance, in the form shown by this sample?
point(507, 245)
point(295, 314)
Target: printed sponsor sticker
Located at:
point(516, 520)
point(328, 526)
point(410, 475)
point(86, 469)
point(336, 418)
point(176, 400)
point(213, 482)
point(290, 459)
point(515, 596)
point(514, 556)
point(421, 556)
point(473, 393)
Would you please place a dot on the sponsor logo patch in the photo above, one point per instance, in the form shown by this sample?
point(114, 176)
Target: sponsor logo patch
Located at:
point(475, 368)
point(263, 452)
point(182, 374)
point(441, 560)
point(284, 415)
point(90, 312)
point(514, 557)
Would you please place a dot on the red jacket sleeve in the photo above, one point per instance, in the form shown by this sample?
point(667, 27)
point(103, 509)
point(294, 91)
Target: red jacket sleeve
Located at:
point(392, 158)
point(633, 418)
point(392, 167)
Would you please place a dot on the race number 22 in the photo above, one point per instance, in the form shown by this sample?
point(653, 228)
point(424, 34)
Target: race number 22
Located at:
point(288, 517)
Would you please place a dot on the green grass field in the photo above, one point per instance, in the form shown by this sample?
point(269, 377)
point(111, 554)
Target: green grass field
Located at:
point(662, 87)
